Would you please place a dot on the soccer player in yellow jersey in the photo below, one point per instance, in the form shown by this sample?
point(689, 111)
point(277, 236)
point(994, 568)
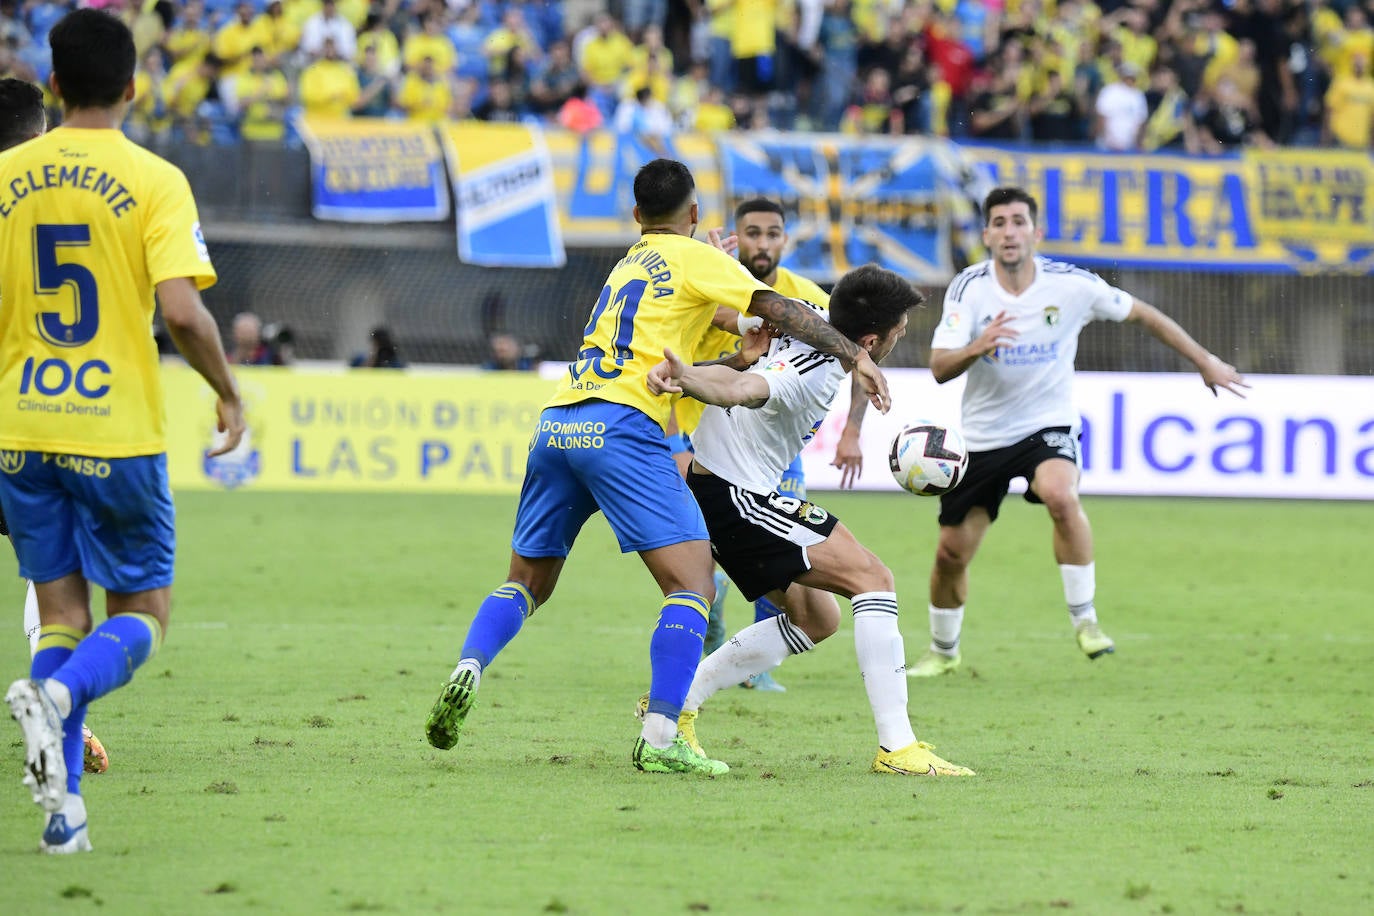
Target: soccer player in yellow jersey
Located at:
point(23, 117)
point(599, 445)
point(92, 226)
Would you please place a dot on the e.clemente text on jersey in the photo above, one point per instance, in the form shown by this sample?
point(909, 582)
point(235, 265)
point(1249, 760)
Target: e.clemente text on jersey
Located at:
point(86, 178)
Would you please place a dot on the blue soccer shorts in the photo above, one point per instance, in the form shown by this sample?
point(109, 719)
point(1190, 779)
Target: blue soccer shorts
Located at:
point(598, 455)
point(793, 482)
point(110, 519)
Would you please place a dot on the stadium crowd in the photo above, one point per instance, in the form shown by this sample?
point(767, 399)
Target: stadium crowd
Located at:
point(1196, 75)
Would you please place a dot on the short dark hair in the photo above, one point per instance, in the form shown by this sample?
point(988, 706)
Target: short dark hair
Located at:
point(662, 188)
point(871, 300)
point(93, 59)
point(1000, 197)
point(758, 205)
point(21, 112)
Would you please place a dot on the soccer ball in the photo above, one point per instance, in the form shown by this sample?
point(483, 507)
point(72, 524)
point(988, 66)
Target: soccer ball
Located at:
point(928, 458)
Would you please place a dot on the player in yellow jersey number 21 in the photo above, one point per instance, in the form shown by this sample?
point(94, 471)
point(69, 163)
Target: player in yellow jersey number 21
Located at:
point(600, 446)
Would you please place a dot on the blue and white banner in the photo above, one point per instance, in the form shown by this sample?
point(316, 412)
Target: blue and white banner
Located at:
point(1162, 434)
point(371, 170)
point(899, 203)
point(503, 184)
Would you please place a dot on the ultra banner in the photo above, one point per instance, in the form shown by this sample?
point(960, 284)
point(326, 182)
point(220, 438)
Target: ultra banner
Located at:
point(461, 431)
point(372, 170)
point(503, 185)
point(1270, 211)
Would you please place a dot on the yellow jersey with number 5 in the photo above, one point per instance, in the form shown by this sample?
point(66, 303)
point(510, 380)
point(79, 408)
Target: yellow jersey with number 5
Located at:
point(663, 293)
point(90, 223)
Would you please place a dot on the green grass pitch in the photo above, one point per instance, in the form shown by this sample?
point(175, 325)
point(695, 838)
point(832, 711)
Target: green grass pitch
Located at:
point(272, 758)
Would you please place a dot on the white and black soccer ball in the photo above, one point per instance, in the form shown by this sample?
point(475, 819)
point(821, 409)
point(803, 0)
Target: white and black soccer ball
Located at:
point(928, 458)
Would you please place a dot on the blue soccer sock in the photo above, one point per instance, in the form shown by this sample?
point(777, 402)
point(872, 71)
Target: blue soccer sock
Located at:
point(498, 619)
point(675, 650)
point(56, 643)
point(764, 609)
point(107, 659)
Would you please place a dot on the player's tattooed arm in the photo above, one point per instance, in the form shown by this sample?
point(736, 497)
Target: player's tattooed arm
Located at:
point(797, 319)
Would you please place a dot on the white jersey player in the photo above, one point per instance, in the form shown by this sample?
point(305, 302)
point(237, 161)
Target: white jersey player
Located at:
point(1011, 325)
point(789, 549)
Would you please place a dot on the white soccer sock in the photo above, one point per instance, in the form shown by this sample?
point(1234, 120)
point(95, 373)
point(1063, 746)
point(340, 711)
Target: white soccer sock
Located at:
point(469, 664)
point(753, 650)
point(882, 663)
point(946, 623)
point(1080, 585)
point(74, 808)
point(659, 730)
point(32, 625)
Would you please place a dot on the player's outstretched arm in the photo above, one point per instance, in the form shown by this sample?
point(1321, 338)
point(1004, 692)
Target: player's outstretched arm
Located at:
point(950, 364)
point(194, 332)
point(797, 319)
point(714, 384)
point(1215, 372)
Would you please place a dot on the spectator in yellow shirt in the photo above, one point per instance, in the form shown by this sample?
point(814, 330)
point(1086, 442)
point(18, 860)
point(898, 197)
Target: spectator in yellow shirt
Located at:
point(189, 38)
point(651, 66)
point(235, 40)
point(605, 57)
point(276, 34)
point(754, 47)
point(513, 32)
point(1343, 44)
point(329, 86)
point(712, 114)
point(425, 94)
point(378, 37)
point(187, 87)
point(1350, 107)
point(432, 42)
point(261, 95)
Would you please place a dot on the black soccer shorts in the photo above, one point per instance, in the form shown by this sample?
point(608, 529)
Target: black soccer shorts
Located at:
point(760, 541)
point(990, 473)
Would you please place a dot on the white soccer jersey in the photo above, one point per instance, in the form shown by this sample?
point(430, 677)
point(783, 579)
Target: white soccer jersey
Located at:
point(751, 447)
point(1027, 385)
